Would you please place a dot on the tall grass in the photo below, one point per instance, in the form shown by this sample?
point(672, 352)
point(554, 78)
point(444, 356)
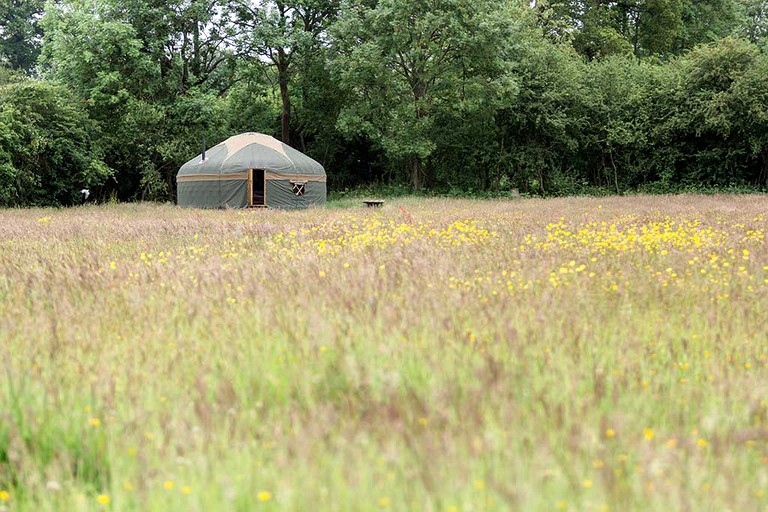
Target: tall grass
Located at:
point(437, 355)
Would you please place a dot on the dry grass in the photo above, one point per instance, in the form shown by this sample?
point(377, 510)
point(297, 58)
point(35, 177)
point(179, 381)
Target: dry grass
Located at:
point(574, 354)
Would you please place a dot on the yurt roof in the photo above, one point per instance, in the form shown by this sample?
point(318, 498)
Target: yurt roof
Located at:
point(253, 151)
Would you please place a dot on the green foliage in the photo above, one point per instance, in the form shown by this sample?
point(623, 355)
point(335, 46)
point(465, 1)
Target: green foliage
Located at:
point(753, 20)
point(46, 152)
point(20, 33)
point(660, 26)
point(152, 95)
point(539, 131)
point(602, 29)
point(706, 21)
point(548, 97)
point(597, 42)
point(725, 109)
point(251, 104)
point(409, 62)
point(282, 33)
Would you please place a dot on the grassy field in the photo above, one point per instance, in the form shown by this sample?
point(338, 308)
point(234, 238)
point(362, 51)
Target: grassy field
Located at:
point(431, 355)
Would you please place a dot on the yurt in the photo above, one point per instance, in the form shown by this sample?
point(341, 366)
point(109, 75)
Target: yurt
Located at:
point(251, 170)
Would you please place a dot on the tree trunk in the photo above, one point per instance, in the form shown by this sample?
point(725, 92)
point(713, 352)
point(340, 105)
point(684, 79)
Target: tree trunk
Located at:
point(419, 90)
point(615, 172)
point(185, 65)
point(282, 75)
point(636, 38)
point(196, 60)
point(417, 174)
point(762, 177)
point(497, 176)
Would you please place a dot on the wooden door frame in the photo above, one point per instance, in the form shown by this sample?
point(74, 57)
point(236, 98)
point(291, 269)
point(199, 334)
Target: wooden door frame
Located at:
point(250, 188)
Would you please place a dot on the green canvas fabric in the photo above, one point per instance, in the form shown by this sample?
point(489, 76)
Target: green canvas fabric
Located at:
point(202, 194)
point(213, 194)
point(280, 195)
point(234, 193)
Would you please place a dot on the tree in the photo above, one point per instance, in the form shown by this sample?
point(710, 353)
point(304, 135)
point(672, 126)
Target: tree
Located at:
point(706, 21)
point(20, 33)
point(753, 19)
point(187, 39)
point(150, 73)
point(658, 27)
point(603, 28)
point(613, 138)
point(282, 31)
point(723, 111)
point(46, 151)
point(435, 53)
point(541, 129)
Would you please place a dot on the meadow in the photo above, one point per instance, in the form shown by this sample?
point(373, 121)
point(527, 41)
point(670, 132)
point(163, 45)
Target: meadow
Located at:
point(443, 355)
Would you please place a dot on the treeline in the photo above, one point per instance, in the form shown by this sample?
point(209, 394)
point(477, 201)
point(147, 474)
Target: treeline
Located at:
point(545, 97)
